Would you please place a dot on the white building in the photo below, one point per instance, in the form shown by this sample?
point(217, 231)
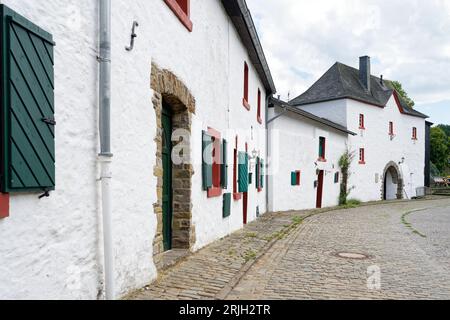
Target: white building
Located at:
point(390, 141)
point(195, 65)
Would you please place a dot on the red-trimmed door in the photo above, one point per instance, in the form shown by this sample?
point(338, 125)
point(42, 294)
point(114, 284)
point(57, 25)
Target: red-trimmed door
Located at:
point(320, 189)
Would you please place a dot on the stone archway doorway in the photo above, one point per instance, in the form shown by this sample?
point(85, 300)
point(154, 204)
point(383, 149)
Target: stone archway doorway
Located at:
point(174, 106)
point(392, 182)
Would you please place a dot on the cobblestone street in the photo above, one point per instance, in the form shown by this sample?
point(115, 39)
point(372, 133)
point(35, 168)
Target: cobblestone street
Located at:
point(283, 257)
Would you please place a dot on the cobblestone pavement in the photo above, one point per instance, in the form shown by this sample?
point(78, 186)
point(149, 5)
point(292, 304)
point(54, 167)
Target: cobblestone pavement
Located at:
point(279, 257)
point(409, 246)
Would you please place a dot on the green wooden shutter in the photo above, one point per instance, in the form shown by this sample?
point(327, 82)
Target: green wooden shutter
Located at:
point(207, 161)
point(226, 205)
point(27, 105)
point(293, 178)
point(257, 169)
point(243, 172)
point(224, 168)
point(261, 184)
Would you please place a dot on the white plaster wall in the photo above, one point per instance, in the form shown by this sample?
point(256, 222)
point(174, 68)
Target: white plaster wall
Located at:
point(335, 111)
point(294, 145)
point(51, 243)
point(380, 150)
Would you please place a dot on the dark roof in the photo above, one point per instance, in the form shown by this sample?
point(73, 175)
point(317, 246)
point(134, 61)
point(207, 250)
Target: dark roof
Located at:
point(276, 102)
point(342, 81)
point(243, 22)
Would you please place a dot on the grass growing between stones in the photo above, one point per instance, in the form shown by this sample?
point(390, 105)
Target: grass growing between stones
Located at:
point(410, 226)
point(351, 204)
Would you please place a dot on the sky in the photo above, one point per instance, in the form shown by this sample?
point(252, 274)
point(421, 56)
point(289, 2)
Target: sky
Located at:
point(407, 40)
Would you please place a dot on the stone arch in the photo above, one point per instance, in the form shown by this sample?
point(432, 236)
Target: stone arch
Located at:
point(392, 170)
point(170, 92)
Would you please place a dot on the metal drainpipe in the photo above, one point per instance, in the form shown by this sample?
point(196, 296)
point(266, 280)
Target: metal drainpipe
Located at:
point(267, 152)
point(105, 156)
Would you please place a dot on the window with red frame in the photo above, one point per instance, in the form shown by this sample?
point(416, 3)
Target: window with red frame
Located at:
point(296, 178)
point(245, 100)
point(362, 156)
point(361, 122)
point(322, 149)
point(181, 8)
point(259, 107)
point(414, 133)
point(391, 128)
point(216, 189)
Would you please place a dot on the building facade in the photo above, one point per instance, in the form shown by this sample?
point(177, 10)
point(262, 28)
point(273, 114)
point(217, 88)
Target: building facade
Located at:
point(196, 71)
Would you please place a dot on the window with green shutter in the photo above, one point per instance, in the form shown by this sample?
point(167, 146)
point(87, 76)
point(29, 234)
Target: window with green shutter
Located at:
point(243, 172)
point(262, 174)
point(224, 169)
point(207, 161)
point(27, 105)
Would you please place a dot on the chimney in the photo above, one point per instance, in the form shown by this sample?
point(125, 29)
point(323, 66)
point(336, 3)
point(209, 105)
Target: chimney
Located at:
point(364, 71)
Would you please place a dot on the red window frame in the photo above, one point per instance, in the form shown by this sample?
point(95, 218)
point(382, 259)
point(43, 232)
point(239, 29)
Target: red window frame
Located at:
point(181, 8)
point(362, 156)
point(259, 118)
point(4, 205)
point(391, 128)
point(298, 174)
point(414, 133)
point(361, 122)
point(236, 195)
point(323, 148)
point(245, 99)
point(216, 189)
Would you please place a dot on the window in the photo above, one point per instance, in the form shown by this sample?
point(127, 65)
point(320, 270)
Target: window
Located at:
point(181, 8)
point(296, 178)
point(245, 100)
point(361, 122)
point(259, 107)
point(391, 128)
point(362, 156)
point(259, 174)
point(213, 179)
point(414, 133)
point(336, 177)
point(322, 149)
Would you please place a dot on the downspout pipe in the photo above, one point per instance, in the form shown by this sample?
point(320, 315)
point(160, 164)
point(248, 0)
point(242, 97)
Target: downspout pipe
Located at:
point(105, 156)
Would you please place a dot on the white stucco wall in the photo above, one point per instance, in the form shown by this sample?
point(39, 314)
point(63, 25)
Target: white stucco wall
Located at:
point(380, 149)
point(335, 110)
point(294, 145)
point(48, 245)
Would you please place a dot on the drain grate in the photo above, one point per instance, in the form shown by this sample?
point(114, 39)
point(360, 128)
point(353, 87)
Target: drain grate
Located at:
point(352, 256)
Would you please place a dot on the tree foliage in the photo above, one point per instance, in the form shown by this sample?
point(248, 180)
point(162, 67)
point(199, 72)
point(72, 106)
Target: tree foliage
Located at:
point(439, 148)
point(399, 88)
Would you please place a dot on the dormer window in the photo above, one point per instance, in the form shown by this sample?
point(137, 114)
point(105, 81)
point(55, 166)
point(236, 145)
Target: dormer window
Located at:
point(181, 8)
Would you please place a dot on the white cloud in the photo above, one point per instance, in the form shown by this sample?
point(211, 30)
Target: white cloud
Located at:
point(408, 41)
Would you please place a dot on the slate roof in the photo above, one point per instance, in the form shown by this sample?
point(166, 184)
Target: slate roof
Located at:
point(342, 81)
point(276, 102)
point(241, 17)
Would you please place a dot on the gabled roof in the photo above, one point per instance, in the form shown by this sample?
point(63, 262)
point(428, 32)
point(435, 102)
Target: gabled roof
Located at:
point(276, 102)
point(243, 22)
point(342, 82)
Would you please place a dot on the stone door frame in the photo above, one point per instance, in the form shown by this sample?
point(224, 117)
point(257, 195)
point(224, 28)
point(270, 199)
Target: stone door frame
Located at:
point(170, 90)
point(395, 171)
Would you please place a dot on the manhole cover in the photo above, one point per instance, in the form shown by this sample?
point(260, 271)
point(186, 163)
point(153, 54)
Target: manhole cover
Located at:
point(352, 255)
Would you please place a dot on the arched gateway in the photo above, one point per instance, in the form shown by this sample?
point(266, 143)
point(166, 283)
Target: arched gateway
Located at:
point(393, 184)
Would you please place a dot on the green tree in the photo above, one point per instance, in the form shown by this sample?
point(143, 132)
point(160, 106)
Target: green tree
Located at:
point(399, 88)
point(439, 148)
